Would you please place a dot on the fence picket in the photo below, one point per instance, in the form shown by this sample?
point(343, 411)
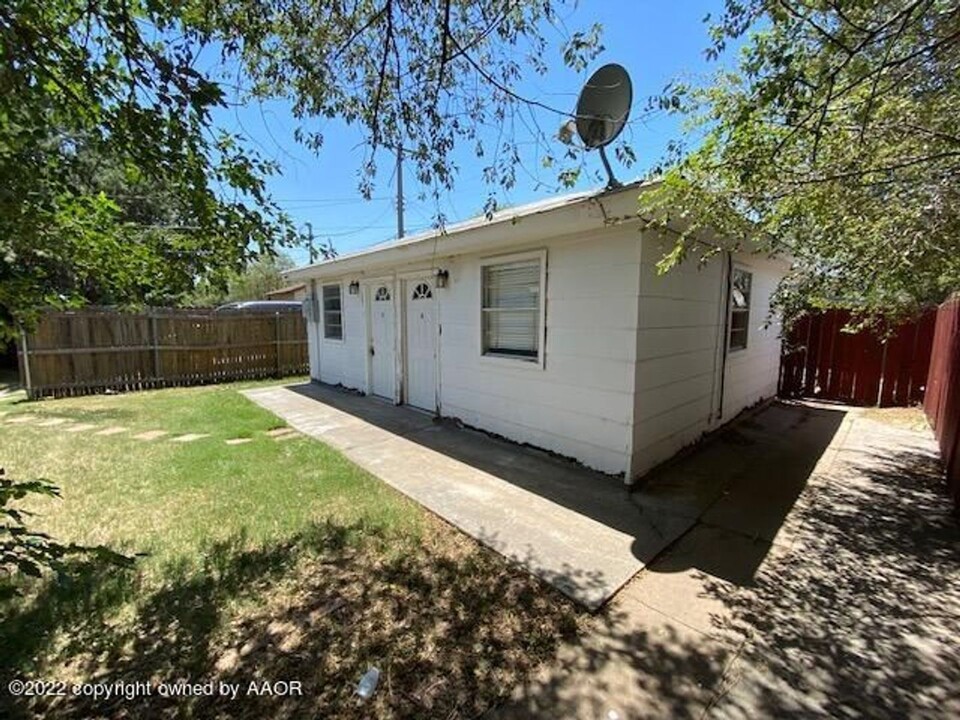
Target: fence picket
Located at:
point(942, 403)
point(93, 350)
point(820, 361)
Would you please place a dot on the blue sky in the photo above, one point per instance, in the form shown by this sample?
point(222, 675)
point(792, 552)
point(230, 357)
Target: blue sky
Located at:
point(656, 41)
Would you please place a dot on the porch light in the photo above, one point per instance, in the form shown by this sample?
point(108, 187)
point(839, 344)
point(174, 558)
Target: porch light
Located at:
point(354, 288)
point(442, 277)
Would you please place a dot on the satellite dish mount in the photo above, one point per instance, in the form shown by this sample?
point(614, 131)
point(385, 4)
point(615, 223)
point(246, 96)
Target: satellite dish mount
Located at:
point(602, 111)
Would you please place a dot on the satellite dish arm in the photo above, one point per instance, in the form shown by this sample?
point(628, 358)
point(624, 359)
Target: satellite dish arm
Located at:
point(612, 182)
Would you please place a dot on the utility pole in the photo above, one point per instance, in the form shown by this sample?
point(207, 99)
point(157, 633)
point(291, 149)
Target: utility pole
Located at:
point(310, 247)
point(399, 191)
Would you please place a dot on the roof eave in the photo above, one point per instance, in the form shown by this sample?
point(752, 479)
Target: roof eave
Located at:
point(464, 237)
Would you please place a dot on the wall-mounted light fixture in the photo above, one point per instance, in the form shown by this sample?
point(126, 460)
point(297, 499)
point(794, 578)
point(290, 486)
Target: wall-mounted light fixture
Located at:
point(354, 288)
point(442, 277)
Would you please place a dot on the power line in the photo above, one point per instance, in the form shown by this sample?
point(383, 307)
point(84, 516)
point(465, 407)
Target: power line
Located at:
point(335, 201)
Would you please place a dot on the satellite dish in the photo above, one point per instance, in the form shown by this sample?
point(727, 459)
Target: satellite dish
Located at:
point(603, 109)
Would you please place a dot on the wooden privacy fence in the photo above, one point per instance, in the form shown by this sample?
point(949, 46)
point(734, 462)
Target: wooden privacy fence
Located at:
point(942, 403)
point(88, 351)
point(822, 362)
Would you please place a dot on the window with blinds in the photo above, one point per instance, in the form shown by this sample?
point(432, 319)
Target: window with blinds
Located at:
point(740, 309)
point(511, 310)
point(332, 313)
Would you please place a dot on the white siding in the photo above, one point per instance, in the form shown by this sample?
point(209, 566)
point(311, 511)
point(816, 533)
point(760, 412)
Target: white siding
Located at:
point(632, 360)
point(312, 339)
point(752, 373)
point(343, 362)
point(680, 346)
point(579, 403)
point(678, 359)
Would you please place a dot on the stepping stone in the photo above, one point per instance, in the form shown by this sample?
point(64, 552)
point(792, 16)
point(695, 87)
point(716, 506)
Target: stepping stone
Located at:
point(82, 427)
point(150, 435)
point(190, 437)
point(239, 441)
point(280, 432)
point(111, 431)
point(288, 436)
point(50, 422)
point(21, 419)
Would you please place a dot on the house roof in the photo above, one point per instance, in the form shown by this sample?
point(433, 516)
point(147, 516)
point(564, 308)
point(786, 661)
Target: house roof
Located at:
point(287, 289)
point(440, 240)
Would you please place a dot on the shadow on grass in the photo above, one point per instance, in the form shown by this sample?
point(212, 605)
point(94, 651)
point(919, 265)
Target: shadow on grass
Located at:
point(450, 626)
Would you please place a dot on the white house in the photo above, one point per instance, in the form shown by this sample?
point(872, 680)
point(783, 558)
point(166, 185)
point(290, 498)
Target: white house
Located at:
point(548, 324)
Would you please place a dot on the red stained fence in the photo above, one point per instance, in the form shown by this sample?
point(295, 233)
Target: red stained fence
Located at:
point(822, 362)
point(942, 403)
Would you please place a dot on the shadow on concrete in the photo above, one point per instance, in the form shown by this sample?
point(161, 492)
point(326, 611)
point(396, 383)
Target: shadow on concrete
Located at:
point(745, 477)
point(558, 479)
point(857, 616)
point(744, 481)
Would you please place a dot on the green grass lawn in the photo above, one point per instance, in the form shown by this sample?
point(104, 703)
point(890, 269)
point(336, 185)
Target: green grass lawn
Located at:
point(269, 560)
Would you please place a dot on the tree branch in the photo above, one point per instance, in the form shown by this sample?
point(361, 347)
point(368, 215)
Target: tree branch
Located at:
point(500, 86)
point(362, 29)
point(444, 38)
point(388, 39)
point(910, 162)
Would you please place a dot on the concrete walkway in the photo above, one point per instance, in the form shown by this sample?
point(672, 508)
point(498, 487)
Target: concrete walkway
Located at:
point(821, 579)
point(575, 528)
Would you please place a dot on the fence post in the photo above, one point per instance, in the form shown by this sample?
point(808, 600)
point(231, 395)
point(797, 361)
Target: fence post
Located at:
point(276, 324)
point(155, 341)
point(883, 372)
point(25, 354)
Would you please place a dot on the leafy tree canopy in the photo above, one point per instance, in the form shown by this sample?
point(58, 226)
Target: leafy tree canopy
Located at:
point(253, 283)
point(419, 76)
point(116, 186)
point(835, 139)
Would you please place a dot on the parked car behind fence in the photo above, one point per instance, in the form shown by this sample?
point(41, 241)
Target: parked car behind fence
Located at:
point(264, 306)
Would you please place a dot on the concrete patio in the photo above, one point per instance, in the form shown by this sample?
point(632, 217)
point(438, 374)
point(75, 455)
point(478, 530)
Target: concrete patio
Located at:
point(575, 528)
point(581, 531)
point(819, 581)
point(803, 561)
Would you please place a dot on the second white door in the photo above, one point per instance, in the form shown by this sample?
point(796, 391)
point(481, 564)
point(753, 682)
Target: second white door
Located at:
point(383, 369)
point(421, 344)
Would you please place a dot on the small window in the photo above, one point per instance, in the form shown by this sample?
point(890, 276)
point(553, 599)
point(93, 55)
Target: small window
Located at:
point(740, 309)
point(422, 292)
point(382, 294)
point(332, 313)
point(511, 310)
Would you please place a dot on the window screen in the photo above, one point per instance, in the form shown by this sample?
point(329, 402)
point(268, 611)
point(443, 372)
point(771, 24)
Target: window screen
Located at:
point(332, 313)
point(511, 310)
point(740, 308)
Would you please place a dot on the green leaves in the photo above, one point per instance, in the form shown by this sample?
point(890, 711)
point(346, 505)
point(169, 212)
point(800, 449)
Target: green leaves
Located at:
point(116, 188)
point(424, 77)
point(583, 47)
point(31, 552)
point(113, 186)
point(834, 142)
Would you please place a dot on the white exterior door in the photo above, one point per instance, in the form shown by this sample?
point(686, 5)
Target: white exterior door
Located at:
point(383, 366)
point(421, 344)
